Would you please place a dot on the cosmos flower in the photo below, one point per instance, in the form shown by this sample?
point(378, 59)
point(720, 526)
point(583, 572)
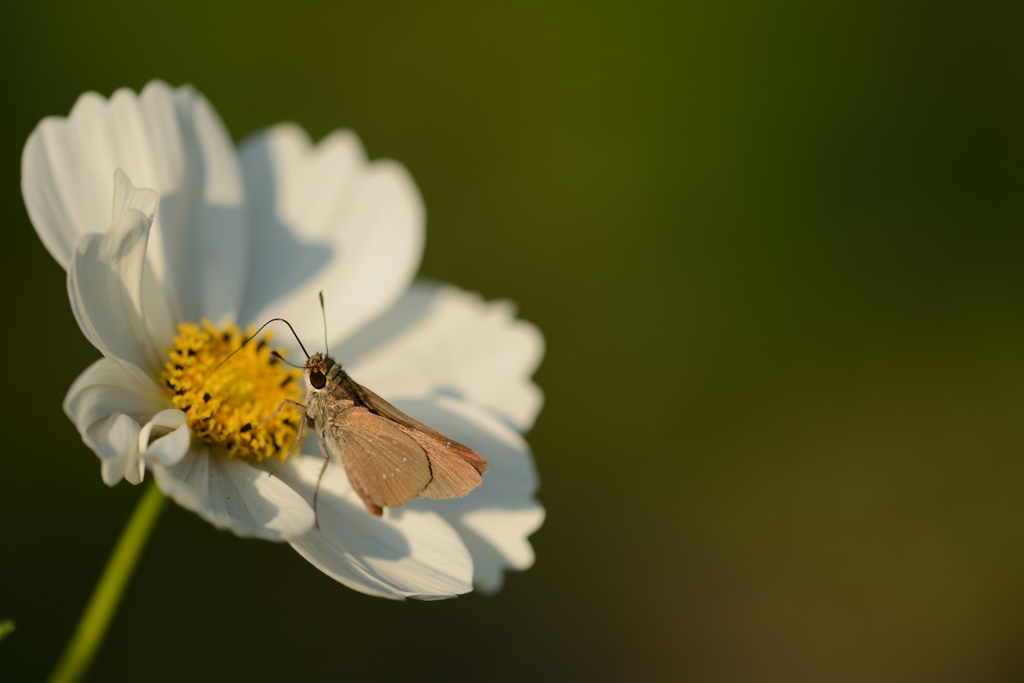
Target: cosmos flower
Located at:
point(170, 279)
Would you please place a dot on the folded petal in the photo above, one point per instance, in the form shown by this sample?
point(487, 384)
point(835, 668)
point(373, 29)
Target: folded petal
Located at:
point(439, 338)
point(107, 404)
point(169, 140)
point(115, 440)
point(127, 196)
point(123, 447)
point(496, 519)
point(166, 438)
point(405, 553)
point(233, 495)
point(325, 219)
point(106, 388)
point(105, 288)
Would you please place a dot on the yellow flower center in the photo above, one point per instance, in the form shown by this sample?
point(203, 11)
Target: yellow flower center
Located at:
point(225, 405)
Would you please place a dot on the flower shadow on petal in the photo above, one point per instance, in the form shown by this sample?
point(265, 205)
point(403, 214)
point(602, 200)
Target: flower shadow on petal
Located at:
point(280, 263)
point(201, 247)
point(416, 304)
point(408, 553)
point(206, 280)
point(344, 520)
point(349, 518)
point(232, 495)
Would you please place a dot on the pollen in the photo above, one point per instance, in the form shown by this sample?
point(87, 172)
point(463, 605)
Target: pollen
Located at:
point(226, 405)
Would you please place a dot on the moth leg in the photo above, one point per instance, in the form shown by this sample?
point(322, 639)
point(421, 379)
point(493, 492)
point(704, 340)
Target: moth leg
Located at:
point(298, 440)
point(283, 404)
point(316, 491)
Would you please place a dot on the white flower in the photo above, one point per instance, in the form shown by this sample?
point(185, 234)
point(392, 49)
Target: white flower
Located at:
point(239, 238)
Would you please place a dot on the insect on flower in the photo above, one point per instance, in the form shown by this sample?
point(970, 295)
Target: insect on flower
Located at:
point(165, 291)
point(389, 457)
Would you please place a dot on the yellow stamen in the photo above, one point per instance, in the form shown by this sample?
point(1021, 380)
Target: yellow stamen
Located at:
point(225, 407)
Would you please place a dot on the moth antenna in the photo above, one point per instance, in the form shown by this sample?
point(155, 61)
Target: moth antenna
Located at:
point(294, 333)
point(327, 351)
point(253, 337)
point(281, 358)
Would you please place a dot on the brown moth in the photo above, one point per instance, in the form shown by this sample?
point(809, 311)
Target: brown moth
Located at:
point(389, 457)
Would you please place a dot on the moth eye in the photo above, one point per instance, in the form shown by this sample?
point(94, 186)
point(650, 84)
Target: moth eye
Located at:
point(317, 379)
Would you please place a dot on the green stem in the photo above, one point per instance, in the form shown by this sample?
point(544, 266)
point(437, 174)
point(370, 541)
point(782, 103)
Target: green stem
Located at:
point(92, 627)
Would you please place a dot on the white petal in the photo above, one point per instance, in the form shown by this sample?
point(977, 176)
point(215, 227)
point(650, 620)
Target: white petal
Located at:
point(496, 519)
point(160, 320)
point(127, 196)
point(106, 388)
point(170, 447)
point(233, 495)
point(438, 338)
point(405, 553)
point(170, 140)
point(99, 403)
point(116, 441)
point(105, 289)
point(324, 218)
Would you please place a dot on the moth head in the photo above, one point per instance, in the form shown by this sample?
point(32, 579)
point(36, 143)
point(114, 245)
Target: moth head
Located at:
point(319, 370)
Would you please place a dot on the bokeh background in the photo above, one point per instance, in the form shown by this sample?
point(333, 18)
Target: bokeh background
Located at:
point(776, 252)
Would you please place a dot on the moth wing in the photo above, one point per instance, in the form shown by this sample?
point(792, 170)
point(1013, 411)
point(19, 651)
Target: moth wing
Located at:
point(384, 463)
point(452, 474)
point(456, 468)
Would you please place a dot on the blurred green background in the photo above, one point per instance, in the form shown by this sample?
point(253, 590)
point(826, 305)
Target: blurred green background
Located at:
point(776, 252)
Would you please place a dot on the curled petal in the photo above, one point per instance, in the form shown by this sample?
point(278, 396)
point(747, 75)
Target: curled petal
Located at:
point(440, 339)
point(106, 388)
point(167, 139)
point(127, 196)
point(406, 553)
point(100, 401)
point(105, 288)
point(168, 448)
point(116, 441)
point(326, 219)
point(233, 495)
